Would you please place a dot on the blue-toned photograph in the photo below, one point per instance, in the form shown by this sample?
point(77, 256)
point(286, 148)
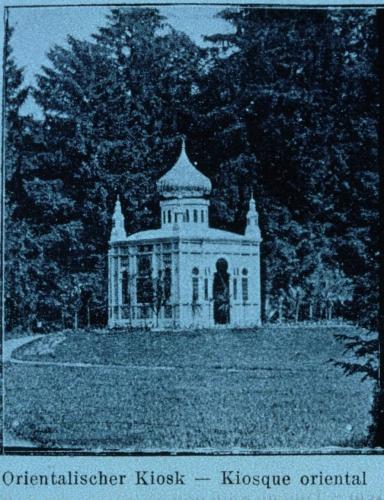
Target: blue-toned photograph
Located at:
point(191, 230)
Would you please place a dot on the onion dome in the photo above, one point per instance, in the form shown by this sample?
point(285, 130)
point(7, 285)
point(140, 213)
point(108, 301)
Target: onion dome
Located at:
point(183, 180)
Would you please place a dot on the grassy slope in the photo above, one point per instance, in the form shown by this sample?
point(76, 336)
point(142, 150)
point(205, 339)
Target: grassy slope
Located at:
point(284, 395)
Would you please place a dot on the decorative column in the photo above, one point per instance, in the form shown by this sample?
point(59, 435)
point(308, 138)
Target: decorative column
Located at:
point(176, 276)
point(118, 284)
point(115, 289)
point(110, 290)
point(133, 282)
point(252, 231)
point(258, 285)
point(156, 267)
point(117, 234)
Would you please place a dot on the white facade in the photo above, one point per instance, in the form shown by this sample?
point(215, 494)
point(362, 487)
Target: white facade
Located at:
point(185, 274)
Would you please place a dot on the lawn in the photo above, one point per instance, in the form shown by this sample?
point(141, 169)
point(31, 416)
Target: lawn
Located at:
point(264, 389)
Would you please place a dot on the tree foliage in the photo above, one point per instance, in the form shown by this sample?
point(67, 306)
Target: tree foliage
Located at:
point(285, 105)
point(296, 123)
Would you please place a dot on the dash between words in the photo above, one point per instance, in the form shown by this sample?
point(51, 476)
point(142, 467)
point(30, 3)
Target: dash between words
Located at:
point(176, 478)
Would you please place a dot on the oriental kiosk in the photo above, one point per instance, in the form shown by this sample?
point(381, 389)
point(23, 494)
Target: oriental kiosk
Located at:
point(185, 274)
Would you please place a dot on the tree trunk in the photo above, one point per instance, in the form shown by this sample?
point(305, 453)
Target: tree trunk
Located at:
point(378, 409)
point(88, 316)
point(377, 427)
point(280, 311)
point(310, 311)
point(63, 318)
point(76, 320)
point(266, 308)
point(297, 312)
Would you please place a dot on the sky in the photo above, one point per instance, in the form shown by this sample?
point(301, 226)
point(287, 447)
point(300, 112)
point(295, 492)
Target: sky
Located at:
point(38, 29)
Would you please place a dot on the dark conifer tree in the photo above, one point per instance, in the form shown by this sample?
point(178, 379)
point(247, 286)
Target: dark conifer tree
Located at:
point(21, 251)
point(295, 122)
point(113, 111)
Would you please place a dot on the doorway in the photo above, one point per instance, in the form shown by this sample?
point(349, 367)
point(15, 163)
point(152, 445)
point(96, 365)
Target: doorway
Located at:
point(221, 301)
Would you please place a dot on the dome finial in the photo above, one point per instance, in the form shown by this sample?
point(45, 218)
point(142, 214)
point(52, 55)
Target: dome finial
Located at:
point(252, 203)
point(183, 141)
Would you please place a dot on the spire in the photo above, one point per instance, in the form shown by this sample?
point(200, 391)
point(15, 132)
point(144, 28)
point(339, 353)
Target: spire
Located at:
point(118, 229)
point(252, 204)
point(252, 229)
point(183, 151)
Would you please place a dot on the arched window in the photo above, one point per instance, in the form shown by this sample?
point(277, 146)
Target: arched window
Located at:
point(195, 216)
point(169, 217)
point(202, 216)
point(195, 284)
point(206, 293)
point(144, 285)
point(167, 283)
point(164, 217)
point(195, 289)
point(187, 216)
point(221, 293)
point(234, 288)
point(244, 285)
point(124, 287)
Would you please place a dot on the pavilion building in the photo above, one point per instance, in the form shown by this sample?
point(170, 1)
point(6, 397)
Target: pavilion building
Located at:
point(185, 274)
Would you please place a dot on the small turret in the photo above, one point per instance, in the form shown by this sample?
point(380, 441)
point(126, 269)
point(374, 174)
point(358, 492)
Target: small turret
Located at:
point(118, 230)
point(252, 229)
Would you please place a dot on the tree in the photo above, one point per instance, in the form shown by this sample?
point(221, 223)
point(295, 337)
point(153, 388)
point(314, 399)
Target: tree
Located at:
point(294, 297)
point(328, 287)
point(22, 254)
point(113, 109)
point(15, 95)
point(296, 122)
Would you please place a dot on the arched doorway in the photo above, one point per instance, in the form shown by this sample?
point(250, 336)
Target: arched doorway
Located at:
point(221, 302)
